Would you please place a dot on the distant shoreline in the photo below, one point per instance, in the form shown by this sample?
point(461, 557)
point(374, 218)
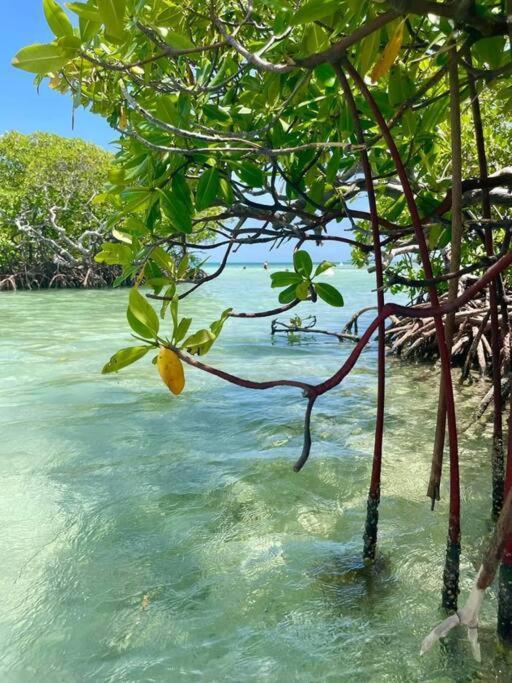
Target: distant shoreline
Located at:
point(271, 264)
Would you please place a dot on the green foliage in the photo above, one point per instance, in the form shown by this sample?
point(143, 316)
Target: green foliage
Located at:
point(176, 210)
point(141, 315)
point(125, 357)
point(219, 131)
point(112, 14)
point(207, 189)
point(200, 342)
point(41, 58)
point(114, 253)
point(329, 294)
point(301, 284)
point(57, 19)
point(41, 171)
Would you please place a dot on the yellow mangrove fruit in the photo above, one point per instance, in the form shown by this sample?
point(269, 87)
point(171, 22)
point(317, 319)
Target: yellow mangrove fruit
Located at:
point(170, 368)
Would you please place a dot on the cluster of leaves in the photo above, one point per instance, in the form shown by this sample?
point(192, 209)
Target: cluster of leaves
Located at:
point(145, 324)
point(301, 283)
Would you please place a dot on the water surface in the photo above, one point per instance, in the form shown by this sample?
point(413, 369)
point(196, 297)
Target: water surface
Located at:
point(151, 538)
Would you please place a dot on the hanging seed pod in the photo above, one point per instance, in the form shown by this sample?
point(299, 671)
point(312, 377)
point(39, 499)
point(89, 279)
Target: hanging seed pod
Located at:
point(170, 368)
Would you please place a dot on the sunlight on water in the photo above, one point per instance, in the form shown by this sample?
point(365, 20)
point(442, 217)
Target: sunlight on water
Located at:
point(151, 538)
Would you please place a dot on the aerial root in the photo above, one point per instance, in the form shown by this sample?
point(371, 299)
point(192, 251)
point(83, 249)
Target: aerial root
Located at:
point(306, 448)
point(414, 338)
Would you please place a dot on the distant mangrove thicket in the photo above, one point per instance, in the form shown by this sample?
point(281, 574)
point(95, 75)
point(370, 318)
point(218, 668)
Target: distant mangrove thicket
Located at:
point(51, 224)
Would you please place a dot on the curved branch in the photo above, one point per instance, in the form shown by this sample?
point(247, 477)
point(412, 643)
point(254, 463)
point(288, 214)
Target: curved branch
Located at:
point(240, 381)
point(266, 314)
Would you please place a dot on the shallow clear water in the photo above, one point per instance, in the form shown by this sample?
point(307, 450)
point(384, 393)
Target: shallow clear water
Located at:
point(151, 538)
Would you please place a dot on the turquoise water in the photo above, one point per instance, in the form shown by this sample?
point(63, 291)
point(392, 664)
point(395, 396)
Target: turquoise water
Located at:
point(146, 537)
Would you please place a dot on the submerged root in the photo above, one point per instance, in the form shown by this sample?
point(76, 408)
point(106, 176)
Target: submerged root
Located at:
point(50, 276)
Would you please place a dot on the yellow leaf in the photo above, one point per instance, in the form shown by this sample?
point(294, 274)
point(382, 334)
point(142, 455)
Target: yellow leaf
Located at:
point(170, 368)
point(389, 54)
point(122, 118)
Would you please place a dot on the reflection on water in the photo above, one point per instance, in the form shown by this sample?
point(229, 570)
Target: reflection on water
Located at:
point(151, 538)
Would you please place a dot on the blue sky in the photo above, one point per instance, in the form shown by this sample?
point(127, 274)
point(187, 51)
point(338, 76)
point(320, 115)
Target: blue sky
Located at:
point(23, 108)
point(26, 110)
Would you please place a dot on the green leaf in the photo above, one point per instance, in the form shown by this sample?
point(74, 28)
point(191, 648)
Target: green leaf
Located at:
point(346, 122)
point(174, 311)
point(141, 310)
point(125, 357)
point(302, 291)
point(182, 329)
point(167, 110)
point(112, 15)
point(288, 295)
point(178, 41)
point(163, 259)
point(85, 11)
point(176, 211)
point(314, 39)
point(284, 279)
point(113, 253)
point(41, 58)
point(367, 52)
point(329, 294)
point(198, 340)
point(313, 10)
point(316, 193)
point(202, 341)
point(138, 327)
point(116, 175)
point(136, 197)
point(400, 86)
point(326, 75)
point(434, 114)
point(490, 51)
point(226, 191)
point(302, 263)
point(157, 283)
point(207, 189)
point(69, 45)
point(183, 267)
point(57, 19)
point(251, 174)
point(88, 29)
point(333, 166)
point(134, 226)
point(438, 236)
point(199, 337)
point(322, 267)
point(216, 113)
point(216, 327)
point(181, 190)
point(396, 209)
point(168, 294)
